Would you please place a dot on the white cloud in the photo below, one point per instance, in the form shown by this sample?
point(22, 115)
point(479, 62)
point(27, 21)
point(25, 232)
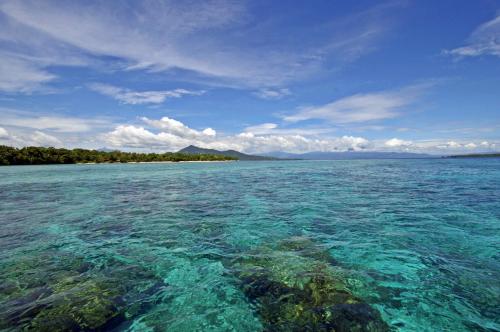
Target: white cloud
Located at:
point(353, 142)
point(171, 135)
point(18, 75)
point(459, 146)
point(209, 41)
point(177, 128)
point(174, 135)
point(26, 55)
point(168, 134)
point(3, 133)
point(436, 146)
point(263, 128)
point(395, 143)
point(452, 144)
point(137, 137)
point(246, 135)
point(128, 96)
point(36, 138)
point(209, 132)
point(151, 35)
point(273, 129)
point(273, 93)
point(361, 107)
point(42, 139)
point(57, 123)
point(484, 40)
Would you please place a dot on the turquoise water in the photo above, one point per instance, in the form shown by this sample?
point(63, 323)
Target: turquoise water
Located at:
point(248, 246)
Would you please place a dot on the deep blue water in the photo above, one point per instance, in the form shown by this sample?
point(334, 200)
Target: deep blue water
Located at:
point(201, 246)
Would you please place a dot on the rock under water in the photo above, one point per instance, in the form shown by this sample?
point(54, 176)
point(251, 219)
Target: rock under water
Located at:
point(295, 288)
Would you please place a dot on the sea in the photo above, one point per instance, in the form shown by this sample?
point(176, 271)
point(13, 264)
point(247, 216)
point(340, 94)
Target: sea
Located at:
point(348, 245)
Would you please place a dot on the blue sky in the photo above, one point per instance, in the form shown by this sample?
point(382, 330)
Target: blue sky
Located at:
point(255, 76)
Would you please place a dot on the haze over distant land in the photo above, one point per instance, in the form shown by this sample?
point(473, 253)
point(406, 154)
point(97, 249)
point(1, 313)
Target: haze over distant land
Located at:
point(255, 77)
point(228, 153)
point(308, 156)
point(347, 155)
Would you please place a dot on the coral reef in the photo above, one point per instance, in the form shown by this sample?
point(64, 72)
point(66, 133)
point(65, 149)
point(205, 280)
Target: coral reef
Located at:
point(296, 289)
point(81, 306)
point(293, 285)
point(67, 293)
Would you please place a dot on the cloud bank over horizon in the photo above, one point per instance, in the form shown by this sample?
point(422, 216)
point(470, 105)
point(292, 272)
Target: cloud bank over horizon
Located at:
point(170, 135)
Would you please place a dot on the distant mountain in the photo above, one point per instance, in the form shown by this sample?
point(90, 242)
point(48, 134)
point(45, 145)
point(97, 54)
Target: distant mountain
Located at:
point(346, 155)
point(349, 155)
point(231, 153)
point(106, 150)
point(476, 155)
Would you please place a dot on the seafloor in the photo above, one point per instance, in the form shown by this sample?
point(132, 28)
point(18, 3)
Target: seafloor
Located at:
point(374, 245)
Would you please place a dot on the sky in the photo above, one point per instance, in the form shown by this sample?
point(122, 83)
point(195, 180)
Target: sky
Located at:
point(254, 76)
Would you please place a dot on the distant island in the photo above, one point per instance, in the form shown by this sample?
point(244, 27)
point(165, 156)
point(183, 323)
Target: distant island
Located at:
point(41, 155)
point(476, 155)
point(350, 155)
point(47, 155)
point(228, 153)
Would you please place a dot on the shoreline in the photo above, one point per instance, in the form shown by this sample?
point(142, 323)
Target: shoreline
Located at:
point(32, 155)
point(131, 162)
point(152, 162)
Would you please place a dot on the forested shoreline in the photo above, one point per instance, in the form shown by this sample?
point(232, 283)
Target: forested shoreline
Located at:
point(40, 156)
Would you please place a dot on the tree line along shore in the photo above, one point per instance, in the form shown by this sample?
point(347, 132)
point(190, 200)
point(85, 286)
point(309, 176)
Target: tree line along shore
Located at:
point(41, 156)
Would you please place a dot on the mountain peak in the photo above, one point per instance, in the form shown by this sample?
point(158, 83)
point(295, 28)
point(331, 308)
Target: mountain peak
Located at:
point(192, 149)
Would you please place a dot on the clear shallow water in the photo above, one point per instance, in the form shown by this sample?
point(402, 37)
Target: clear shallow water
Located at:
point(200, 246)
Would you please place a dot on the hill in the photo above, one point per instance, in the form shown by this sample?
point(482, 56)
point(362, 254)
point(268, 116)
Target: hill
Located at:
point(228, 153)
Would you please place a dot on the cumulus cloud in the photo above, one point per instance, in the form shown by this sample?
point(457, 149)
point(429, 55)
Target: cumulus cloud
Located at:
point(452, 144)
point(436, 146)
point(361, 107)
point(395, 143)
point(137, 137)
point(177, 128)
point(173, 135)
point(168, 134)
point(3, 133)
point(127, 96)
point(209, 132)
point(457, 146)
point(484, 40)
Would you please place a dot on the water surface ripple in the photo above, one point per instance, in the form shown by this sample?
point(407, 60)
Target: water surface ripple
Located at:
point(251, 246)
